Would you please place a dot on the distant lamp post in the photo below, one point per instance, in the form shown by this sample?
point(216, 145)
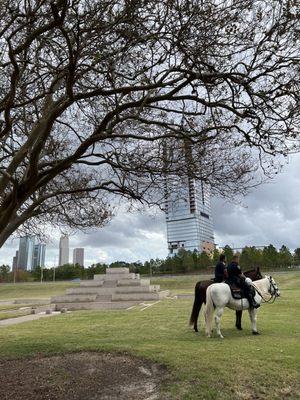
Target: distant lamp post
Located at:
point(55, 262)
point(41, 274)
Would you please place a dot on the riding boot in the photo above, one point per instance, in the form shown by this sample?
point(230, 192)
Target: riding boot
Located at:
point(252, 302)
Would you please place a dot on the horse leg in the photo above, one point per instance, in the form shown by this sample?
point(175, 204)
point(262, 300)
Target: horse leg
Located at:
point(218, 315)
point(195, 313)
point(238, 321)
point(200, 298)
point(196, 308)
point(196, 319)
point(209, 313)
point(253, 318)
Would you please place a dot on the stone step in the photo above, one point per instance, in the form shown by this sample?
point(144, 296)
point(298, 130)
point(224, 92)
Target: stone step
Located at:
point(135, 296)
point(91, 290)
point(115, 277)
point(121, 270)
point(91, 283)
point(110, 290)
point(145, 282)
point(109, 284)
point(163, 294)
point(74, 298)
point(137, 289)
point(103, 297)
point(127, 282)
point(116, 305)
point(133, 282)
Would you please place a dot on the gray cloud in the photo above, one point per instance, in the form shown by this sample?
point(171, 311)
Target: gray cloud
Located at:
point(270, 214)
point(129, 237)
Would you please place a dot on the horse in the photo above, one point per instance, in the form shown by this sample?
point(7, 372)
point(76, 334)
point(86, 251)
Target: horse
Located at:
point(200, 298)
point(218, 296)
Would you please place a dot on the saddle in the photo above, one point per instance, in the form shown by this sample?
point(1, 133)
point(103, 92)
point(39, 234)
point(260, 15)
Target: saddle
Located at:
point(237, 292)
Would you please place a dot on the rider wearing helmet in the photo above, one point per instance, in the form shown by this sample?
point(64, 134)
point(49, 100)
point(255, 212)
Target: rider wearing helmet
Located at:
point(236, 276)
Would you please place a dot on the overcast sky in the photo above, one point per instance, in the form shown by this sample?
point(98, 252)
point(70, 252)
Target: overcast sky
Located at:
point(270, 214)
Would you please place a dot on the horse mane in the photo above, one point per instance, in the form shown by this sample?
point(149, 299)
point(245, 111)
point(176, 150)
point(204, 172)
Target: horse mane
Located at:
point(254, 273)
point(252, 270)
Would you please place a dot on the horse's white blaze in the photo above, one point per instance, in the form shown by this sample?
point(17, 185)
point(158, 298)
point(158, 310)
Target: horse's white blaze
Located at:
point(218, 296)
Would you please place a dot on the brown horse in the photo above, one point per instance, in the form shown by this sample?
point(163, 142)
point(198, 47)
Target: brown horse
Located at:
point(200, 298)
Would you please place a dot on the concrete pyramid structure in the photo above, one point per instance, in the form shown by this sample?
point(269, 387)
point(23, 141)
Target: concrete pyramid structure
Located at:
point(116, 289)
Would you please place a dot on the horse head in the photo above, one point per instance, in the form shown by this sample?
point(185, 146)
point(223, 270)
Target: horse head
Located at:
point(258, 274)
point(273, 289)
point(254, 274)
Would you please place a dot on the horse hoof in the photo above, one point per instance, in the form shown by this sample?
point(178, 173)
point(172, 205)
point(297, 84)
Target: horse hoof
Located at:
point(196, 330)
point(239, 328)
point(255, 333)
point(221, 336)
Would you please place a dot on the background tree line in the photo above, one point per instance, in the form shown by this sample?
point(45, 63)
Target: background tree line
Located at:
point(267, 258)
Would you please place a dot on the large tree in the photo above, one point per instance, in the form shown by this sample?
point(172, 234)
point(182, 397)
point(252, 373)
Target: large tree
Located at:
point(102, 97)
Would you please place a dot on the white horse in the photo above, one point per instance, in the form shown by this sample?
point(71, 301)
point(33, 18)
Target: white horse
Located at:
point(218, 296)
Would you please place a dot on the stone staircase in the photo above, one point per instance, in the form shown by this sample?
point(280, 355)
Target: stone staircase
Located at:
point(117, 289)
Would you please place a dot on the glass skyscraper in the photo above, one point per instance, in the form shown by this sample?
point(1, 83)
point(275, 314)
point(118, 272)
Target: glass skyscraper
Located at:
point(188, 217)
point(25, 255)
point(39, 253)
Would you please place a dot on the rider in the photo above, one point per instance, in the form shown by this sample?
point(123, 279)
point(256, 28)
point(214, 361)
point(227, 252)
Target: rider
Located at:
point(236, 276)
point(221, 270)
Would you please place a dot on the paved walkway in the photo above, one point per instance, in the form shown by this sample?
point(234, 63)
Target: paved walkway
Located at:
point(25, 318)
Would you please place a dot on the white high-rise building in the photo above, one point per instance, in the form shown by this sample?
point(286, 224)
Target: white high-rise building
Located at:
point(25, 254)
point(78, 256)
point(188, 217)
point(63, 250)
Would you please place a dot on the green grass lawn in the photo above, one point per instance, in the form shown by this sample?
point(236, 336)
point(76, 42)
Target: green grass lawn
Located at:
point(33, 290)
point(241, 366)
point(15, 314)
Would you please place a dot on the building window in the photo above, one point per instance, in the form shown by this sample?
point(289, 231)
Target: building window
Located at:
point(204, 215)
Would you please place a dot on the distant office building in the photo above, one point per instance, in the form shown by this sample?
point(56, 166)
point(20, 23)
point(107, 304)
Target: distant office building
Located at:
point(78, 256)
point(64, 250)
point(25, 256)
point(15, 261)
point(188, 217)
point(39, 253)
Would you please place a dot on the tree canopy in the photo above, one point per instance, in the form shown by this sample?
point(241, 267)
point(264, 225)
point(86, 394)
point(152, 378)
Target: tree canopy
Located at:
point(101, 98)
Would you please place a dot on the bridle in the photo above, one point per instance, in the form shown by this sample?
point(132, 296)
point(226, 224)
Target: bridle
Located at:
point(274, 293)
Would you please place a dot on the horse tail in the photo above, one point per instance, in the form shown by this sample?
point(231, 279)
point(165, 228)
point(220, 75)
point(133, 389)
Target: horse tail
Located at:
point(209, 312)
point(196, 307)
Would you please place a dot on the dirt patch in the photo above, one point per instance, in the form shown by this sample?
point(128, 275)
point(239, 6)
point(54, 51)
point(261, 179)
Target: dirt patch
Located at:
point(81, 376)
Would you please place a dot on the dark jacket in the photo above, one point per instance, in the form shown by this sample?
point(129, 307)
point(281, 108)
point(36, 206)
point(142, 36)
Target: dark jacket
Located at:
point(234, 271)
point(235, 277)
point(219, 272)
